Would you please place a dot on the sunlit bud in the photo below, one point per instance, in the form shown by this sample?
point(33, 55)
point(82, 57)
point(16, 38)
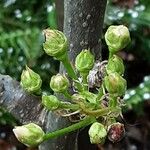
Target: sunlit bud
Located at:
point(97, 133)
point(116, 132)
point(56, 44)
point(84, 61)
point(59, 83)
point(117, 37)
point(30, 135)
point(30, 81)
point(115, 84)
point(115, 64)
point(50, 102)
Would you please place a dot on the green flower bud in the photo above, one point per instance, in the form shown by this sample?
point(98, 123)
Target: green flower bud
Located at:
point(115, 64)
point(115, 84)
point(77, 98)
point(56, 44)
point(50, 102)
point(30, 135)
point(97, 133)
point(59, 83)
point(116, 132)
point(84, 61)
point(31, 81)
point(117, 37)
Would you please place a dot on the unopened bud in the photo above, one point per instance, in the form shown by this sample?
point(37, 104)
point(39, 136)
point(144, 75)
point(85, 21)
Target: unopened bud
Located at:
point(30, 81)
point(84, 61)
point(115, 84)
point(56, 44)
point(115, 64)
point(97, 133)
point(50, 102)
point(59, 83)
point(117, 37)
point(77, 98)
point(116, 132)
point(30, 135)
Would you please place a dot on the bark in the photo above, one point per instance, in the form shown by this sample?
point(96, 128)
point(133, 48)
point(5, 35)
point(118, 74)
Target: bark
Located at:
point(83, 22)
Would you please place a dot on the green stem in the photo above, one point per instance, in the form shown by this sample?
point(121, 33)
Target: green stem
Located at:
point(83, 123)
point(69, 68)
point(99, 112)
point(110, 54)
point(71, 71)
point(67, 95)
point(100, 92)
point(84, 78)
point(64, 105)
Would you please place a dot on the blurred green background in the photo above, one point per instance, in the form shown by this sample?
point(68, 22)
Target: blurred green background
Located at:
point(21, 38)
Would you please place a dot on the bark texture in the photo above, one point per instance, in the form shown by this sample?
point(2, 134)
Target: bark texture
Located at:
point(24, 107)
point(83, 22)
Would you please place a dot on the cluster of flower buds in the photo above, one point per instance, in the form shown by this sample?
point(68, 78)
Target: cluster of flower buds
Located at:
point(83, 101)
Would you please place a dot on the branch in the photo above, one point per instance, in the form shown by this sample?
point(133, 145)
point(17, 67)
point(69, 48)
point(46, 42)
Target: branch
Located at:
point(21, 105)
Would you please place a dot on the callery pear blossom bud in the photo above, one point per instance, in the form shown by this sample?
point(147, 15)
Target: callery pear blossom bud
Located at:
point(59, 83)
point(97, 133)
point(117, 37)
point(77, 98)
point(30, 81)
point(50, 102)
point(84, 61)
point(56, 44)
point(115, 64)
point(116, 132)
point(115, 84)
point(30, 135)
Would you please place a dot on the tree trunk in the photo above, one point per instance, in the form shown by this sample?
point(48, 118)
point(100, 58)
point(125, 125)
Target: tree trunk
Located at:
point(83, 22)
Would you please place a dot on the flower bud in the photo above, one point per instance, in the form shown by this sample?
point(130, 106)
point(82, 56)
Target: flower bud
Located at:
point(56, 44)
point(116, 132)
point(97, 133)
point(84, 61)
point(30, 135)
point(30, 81)
point(117, 38)
point(50, 102)
point(59, 83)
point(115, 84)
point(115, 64)
point(77, 98)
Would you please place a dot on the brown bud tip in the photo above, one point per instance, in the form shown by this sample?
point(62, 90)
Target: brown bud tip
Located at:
point(116, 132)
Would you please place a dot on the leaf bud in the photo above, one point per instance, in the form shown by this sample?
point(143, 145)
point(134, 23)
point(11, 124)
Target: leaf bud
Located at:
point(115, 64)
point(59, 83)
point(117, 37)
point(97, 133)
point(115, 84)
point(116, 132)
point(30, 81)
point(56, 44)
point(30, 135)
point(84, 61)
point(50, 102)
